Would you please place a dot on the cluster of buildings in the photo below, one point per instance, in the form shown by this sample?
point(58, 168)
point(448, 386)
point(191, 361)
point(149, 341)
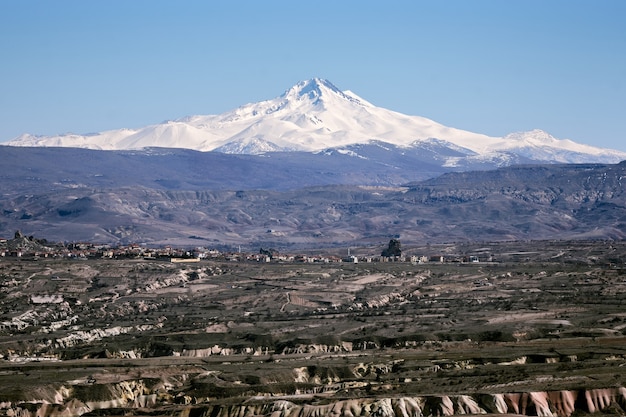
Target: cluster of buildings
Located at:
point(86, 251)
point(30, 248)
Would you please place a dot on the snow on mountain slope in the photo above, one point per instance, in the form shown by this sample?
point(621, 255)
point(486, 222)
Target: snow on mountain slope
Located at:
point(314, 115)
point(539, 145)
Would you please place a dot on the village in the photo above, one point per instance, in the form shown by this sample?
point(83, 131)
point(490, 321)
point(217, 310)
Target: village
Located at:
point(31, 248)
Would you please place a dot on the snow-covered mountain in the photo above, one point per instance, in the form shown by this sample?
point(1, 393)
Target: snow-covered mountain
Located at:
point(313, 116)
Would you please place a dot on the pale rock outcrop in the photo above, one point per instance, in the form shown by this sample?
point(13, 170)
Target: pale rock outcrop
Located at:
point(318, 348)
point(131, 395)
point(598, 399)
point(564, 402)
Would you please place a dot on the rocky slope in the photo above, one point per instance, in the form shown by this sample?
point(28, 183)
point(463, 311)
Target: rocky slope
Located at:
point(532, 328)
point(343, 386)
point(524, 202)
point(166, 397)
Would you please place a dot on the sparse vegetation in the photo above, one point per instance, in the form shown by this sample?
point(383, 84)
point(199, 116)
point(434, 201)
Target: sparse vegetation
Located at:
point(313, 333)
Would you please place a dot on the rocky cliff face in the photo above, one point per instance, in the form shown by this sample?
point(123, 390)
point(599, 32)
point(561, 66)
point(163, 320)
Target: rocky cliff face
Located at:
point(193, 390)
point(135, 396)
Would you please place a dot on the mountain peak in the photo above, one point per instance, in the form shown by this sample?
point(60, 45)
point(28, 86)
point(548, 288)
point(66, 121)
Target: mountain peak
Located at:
point(315, 90)
point(313, 115)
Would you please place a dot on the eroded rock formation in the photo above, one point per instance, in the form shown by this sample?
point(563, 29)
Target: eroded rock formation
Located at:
point(138, 395)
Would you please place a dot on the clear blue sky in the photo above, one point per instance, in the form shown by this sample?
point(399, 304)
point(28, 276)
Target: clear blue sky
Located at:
point(492, 67)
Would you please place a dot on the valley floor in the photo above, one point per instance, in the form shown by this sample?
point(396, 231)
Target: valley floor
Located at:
point(538, 330)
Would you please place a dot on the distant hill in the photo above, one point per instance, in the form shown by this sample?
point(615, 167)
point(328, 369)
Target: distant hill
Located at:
point(184, 197)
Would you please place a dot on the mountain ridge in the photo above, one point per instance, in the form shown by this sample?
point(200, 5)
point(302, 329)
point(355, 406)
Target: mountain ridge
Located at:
point(179, 197)
point(314, 115)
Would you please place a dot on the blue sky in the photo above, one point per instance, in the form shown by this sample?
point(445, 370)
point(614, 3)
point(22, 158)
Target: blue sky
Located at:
point(492, 67)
